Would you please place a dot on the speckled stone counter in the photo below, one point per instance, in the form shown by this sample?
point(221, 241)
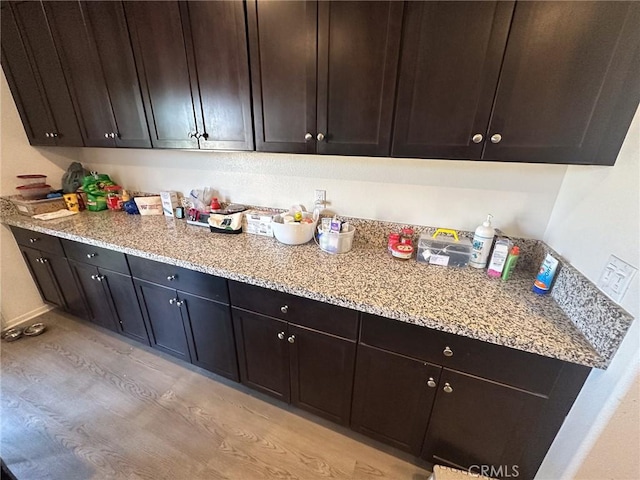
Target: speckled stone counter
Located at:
point(459, 301)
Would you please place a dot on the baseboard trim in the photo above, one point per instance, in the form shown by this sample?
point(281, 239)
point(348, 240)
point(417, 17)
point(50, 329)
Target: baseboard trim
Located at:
point(27, 316)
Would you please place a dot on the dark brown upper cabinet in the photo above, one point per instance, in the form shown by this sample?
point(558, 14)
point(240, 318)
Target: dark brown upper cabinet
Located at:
point(570, 83)
point(94, 48)
point(193, 66)
point(35, 76)
point(547, 82)
point(324, 75)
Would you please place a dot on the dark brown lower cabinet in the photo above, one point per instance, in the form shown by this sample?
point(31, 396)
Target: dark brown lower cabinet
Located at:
point(311, 369)
point(54, 280)
point(189, 327)
point(392, 397)
point(111, 300)
point(479, 422)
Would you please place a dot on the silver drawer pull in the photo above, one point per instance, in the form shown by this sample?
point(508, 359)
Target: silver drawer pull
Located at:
point(99, 277)
point(91, 255)
point(291, 339)
point(447, 352)
point(173, 300)
point(179, 303)
point(284, 308)
point(33, 240)
point(447, 388)
point(431, 383)
point(171, 278)
point(281, 335)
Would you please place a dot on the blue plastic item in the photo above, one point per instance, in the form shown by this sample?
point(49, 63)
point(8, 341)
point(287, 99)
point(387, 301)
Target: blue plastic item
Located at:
point(131, 208)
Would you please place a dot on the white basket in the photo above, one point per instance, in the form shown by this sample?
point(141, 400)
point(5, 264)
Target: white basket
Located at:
point(334, 242)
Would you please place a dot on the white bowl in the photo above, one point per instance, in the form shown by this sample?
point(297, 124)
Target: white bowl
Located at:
point(293, 233)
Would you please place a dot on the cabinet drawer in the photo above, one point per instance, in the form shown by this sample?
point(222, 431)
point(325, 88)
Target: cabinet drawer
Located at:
point(39, 241)
point(190, 281)
point(495, 362)
point(301, 311)
point(97, 256)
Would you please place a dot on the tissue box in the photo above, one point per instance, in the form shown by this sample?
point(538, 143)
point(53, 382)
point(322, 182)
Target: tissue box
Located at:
point(169, 203)
point(258, 222)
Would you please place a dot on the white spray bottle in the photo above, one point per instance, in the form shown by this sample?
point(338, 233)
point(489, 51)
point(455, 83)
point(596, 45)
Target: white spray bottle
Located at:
point(482, 241)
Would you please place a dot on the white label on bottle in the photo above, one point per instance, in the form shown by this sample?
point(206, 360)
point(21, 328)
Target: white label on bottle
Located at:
point(439, 260)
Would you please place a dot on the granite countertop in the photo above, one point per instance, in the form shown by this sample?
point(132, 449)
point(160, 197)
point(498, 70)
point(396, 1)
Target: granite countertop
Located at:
point(460, 301)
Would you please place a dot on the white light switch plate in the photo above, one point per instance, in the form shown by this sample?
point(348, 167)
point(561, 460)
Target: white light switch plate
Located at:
point(616, 277)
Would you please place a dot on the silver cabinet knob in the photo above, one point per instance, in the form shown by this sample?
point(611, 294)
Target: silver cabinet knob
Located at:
point(91, 255)
point(320, 137)
point(281, 335)
point(173, 300)
point(447, 388)
point(284, 308)
point(94, 277)
point(495, 138)
point(171, 278)
point(179, 303)
point(431, 383)
point(308, 137)
point(193, 135)
point(447, 352)
point(44, 260)
point(291, 339)
point(54, 135)
point(112, 135)
point(106, 135)
point(477, 138)
point(33, 240)
point(47, 134)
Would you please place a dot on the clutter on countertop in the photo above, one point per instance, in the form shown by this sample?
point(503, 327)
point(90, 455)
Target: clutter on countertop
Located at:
point(35, 207)
point(295, 227)
point(482, 242)
point(546, 274)
point(95, 185)
point(258, 222)
point(57, 214)
point(510, 264)
point(73, 177)
point(501, 249)
point(149, 205)
point(335, 236)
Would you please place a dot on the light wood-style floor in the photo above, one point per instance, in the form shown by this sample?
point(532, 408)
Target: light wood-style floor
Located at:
point(81, 403)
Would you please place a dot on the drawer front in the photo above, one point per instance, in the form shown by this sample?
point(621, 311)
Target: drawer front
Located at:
point(189, 281)
point(39, 241)
point(301, 311)
point(495, 362)
point(96, 256)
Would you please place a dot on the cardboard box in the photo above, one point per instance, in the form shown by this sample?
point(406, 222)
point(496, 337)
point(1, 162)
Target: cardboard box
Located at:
point(169, 203)
point(258, 222)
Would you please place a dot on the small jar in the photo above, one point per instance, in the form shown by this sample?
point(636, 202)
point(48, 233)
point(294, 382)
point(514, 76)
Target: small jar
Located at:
point(402, 251)
point(394, 238)
point(406, 236)
point(114, 197)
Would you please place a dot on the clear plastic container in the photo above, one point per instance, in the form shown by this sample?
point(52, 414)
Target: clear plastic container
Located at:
point(334, 242)
point(445, 250)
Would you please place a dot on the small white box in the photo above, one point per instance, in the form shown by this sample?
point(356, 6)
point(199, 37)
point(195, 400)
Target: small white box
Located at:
point(169, 203)
point(258, 222)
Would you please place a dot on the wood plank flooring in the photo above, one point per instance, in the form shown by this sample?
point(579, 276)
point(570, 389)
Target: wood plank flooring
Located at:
point(81, 403)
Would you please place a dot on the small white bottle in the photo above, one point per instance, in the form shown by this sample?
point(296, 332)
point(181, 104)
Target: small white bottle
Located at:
point(482, 241)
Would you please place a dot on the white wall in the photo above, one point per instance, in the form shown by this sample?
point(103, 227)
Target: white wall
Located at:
point(596, 214)
point(425, 192)
point(18, 295)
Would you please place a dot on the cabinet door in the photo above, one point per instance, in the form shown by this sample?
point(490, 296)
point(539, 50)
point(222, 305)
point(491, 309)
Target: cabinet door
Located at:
point(160, 51)
point(42, 274)
point(73, 300)
point(161, 312)
point(570, 83)
point(263, 353)
point(27, 91)
point(210, 335)
point(480, 422)
point(109, 30)
point(451, 56)
point(392, 397)
point(88, 279)
point(282, 42)
point(322, 368)
point(358, 49)
point(39, 44)
point(219, 41)
point(124, 304)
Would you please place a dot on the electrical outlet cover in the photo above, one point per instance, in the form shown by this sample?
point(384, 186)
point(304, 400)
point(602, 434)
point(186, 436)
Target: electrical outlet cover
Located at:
point(616, 277)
